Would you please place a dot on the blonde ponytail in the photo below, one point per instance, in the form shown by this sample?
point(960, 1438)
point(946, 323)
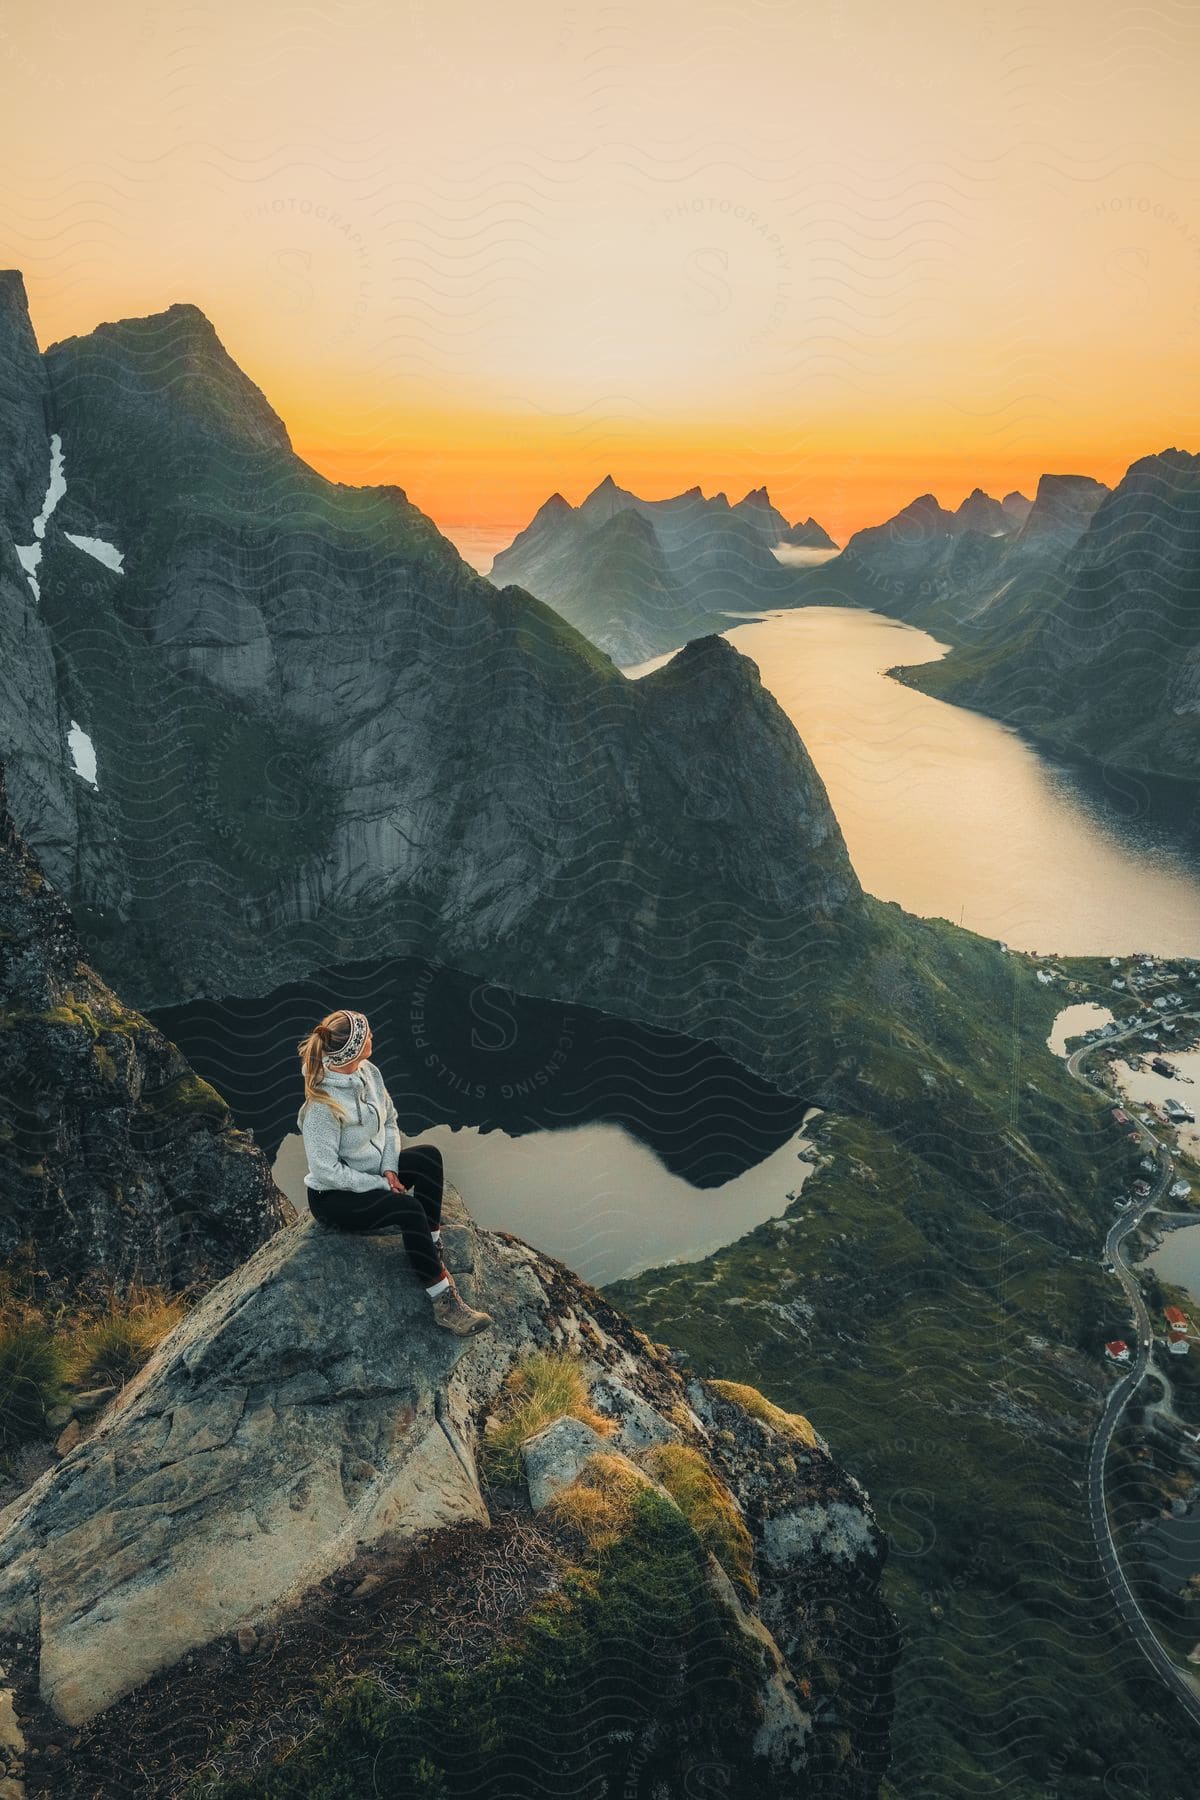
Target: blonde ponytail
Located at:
point(329, 1034)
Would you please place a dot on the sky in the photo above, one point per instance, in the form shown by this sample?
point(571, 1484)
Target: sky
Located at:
point(850, 251)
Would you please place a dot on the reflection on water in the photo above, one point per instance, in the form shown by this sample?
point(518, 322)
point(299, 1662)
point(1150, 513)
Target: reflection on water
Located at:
point(607, 1143)
point(1177, 1260)
point(1073, 1021)
point(955, 816)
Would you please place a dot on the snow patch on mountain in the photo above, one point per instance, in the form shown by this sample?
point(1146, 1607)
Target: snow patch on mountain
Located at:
point(104, 552)
point(31, 554)
point(83, 753)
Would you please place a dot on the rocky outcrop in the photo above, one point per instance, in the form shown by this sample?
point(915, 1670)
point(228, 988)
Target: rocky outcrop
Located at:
point(320, 736)
point(309, 1408)
point(114, 1157)
point(684, 564)
point(1099, 650)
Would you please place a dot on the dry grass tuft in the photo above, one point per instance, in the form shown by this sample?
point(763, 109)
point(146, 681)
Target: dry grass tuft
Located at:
point(708, 1507)
point(543, 1386)
point(108, 1344)
point(597, 1504)
point(793, 1425)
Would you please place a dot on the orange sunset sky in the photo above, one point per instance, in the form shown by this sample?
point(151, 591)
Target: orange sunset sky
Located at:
point(852, 251)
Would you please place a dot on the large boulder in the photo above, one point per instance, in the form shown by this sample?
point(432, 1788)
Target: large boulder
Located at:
point(309, 1408)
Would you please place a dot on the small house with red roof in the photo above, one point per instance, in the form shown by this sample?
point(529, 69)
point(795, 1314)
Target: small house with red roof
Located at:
point(1178, 1321)
point(1118, 1350)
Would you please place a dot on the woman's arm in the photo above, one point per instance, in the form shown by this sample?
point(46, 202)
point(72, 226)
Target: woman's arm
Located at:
point(391, 1132)
point(322, 1132)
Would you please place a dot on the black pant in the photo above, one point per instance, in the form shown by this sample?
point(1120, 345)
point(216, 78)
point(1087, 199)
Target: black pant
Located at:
point(417, 1213)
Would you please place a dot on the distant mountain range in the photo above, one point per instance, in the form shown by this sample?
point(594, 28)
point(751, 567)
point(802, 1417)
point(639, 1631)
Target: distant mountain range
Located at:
point(1088, 635)
point(937, 569)
point(1076, 617)
point(639, 577)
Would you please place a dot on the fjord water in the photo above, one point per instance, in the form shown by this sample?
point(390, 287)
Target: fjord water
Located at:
point(609, 1144)
point(956, 816)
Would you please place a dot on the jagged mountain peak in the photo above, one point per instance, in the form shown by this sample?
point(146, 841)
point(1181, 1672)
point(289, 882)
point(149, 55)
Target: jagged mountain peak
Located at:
point(979, 512)
point(925, 514)
point(181, 323)
point(175, 362)
point(1173, 458)
point(605, 499)
point(551, 511)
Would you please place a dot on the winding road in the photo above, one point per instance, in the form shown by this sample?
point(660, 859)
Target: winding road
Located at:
point(1119, 1396)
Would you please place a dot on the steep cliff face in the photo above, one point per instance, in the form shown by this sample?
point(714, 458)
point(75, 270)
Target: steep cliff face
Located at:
point(1099, 652)
point(685, 563)
point(961, 573)
point(320, 736)
point(114, 1156)
point(33, 731)
point(308, 1412)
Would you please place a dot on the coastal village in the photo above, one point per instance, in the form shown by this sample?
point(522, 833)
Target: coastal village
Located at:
point(1146, 1057)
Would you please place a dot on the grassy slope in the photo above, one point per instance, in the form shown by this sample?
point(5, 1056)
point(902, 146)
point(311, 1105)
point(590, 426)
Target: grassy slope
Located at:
point(934, 1301)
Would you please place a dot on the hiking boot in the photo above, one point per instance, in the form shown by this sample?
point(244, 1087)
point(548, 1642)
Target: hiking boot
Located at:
point(452, 1311)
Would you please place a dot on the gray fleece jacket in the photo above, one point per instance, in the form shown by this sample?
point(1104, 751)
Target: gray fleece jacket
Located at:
point(356, 1151)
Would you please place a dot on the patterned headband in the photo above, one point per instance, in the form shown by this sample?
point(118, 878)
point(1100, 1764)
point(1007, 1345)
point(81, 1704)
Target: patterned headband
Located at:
point(351, 1050)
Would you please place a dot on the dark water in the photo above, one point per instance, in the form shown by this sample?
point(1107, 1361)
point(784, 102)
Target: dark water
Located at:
point(608, 1143)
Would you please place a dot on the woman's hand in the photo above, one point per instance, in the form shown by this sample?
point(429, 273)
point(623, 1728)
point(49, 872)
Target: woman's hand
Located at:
point(394, 1182)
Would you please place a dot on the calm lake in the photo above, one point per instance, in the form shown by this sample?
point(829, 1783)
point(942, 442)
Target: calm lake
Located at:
point(618, 1148)
point(609, 1144)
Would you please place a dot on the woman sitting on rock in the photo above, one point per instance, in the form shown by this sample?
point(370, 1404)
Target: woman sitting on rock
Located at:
point(355, 1160)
